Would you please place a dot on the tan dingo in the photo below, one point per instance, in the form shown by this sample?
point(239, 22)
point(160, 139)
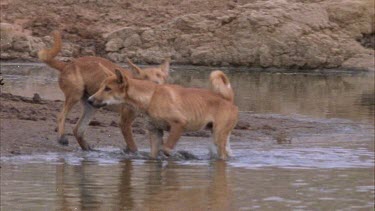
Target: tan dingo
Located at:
point(82, 77)
point(174, 108)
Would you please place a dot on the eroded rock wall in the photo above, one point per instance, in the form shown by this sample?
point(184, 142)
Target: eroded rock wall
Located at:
point(281, 34)
point(256, 33)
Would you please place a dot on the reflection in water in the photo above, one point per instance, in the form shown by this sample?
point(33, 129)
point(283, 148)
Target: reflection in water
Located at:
point(169, 185)
point(178, 186)
point(88, 187)
point(333, 95)
point(157, 186)
point(125, 200)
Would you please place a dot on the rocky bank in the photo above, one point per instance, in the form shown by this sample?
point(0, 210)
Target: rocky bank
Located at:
point(255, 33)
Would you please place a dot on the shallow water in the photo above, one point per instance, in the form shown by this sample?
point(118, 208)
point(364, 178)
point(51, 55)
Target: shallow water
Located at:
point(324, 171)
point(335, 94)
point(260, 176)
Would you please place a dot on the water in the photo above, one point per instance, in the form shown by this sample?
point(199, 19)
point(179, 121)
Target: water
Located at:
point(260, 177)
point(347, 95)
point(331, 170)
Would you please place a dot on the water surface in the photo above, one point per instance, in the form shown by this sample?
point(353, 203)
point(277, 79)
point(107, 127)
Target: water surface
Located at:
point(320, 171)
point(348, 95)
point(300, 176)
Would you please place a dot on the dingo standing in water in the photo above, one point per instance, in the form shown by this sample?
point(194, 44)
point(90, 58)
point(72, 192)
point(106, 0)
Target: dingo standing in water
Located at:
point(174, 108)
point(82, 77)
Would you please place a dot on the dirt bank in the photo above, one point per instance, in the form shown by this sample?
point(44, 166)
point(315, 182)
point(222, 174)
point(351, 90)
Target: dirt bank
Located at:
point(254, 33)
point(28, 125)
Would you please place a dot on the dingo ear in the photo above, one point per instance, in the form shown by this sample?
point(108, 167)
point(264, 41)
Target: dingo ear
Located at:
point(106, 70)
point(165, 65)
point(121, 79)
point(134, 68)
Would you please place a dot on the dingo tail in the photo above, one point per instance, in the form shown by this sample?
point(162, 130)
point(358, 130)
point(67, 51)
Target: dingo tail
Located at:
point(48, 55)
point(220, 84)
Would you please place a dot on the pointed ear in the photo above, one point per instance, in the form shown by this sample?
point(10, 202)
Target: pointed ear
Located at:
point(106, 70)
point(120, 78)
point(165, 65)
point(134, 68)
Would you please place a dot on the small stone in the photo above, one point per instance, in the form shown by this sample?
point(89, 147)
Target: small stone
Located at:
point(36, 98)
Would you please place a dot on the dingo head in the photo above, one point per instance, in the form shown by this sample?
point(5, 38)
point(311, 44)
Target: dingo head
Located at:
point(112, 91)
point(158, 75)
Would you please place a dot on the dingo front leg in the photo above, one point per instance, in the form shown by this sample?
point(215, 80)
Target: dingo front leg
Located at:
point(127, 118)
point(83, 122)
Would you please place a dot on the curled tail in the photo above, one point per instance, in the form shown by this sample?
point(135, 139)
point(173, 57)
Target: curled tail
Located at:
point(48, 55)
point(220, 84)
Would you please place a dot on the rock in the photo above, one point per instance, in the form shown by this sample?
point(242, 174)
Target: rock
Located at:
point(6, 32)
point(95, 123)
point(21, 44)
point(284, 34)
point(114, 124)
point(17, 43)
point(133, 40)
point(122, 33)
point(281, 34)
point(361, 61)
point(242, 125)
point(114, 44)
point(117, 57)
point(37, 98)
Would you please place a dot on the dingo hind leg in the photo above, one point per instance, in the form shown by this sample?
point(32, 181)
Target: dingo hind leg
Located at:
point(215, 150)
point(70, 101)
point(220, 143)
point(156, 140)
point(72, 87)
point(176, 130)
point(221, 132)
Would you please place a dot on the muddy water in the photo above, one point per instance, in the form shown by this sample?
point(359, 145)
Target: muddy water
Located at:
point(299, 177)
point(335, 94)
point(327, 171)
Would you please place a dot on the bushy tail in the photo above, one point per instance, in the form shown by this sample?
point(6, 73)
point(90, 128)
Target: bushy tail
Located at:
point(220, 84)
point(48, 55)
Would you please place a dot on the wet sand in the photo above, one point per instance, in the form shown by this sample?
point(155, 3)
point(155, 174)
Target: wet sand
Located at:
point(28, 126)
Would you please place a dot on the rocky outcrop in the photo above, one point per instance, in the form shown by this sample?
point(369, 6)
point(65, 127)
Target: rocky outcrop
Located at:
point(281, 34)
point(255, 33)
point(18, 44)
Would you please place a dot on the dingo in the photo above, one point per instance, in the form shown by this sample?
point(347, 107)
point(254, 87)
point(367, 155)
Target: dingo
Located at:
point(174, 108)
point(82, 77)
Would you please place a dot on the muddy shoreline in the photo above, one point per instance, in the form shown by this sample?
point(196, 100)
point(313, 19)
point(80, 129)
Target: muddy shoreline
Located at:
point(237, 68)
point(28, 126)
